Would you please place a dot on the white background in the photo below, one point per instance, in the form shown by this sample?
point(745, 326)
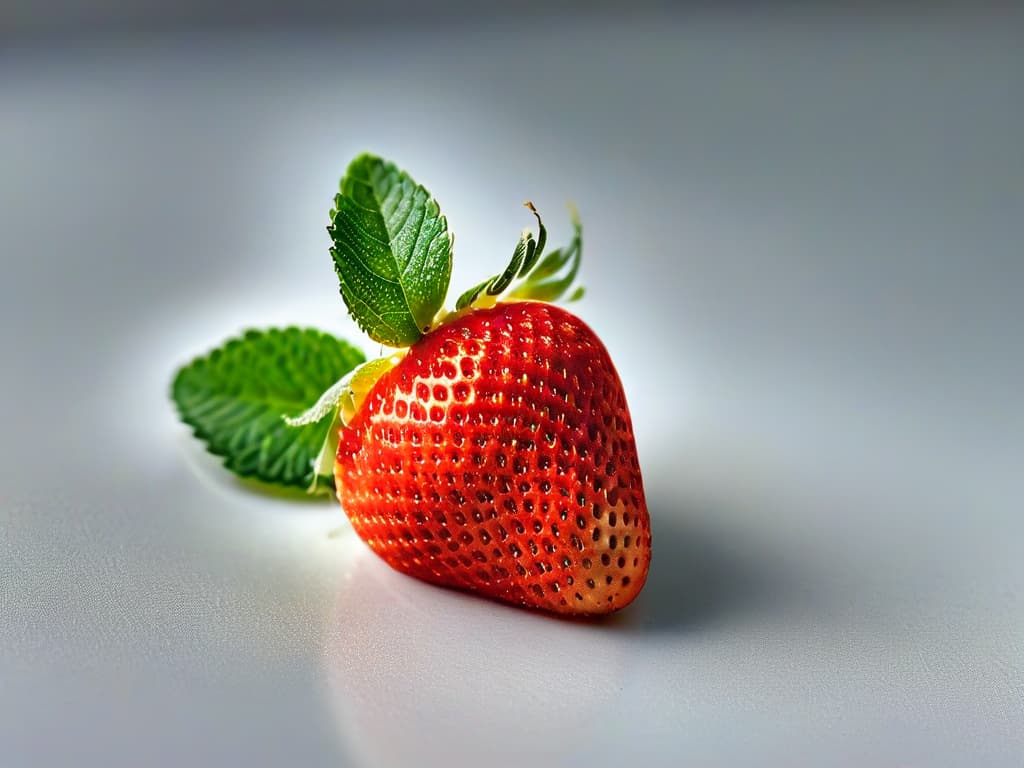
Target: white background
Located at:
point(803, 249)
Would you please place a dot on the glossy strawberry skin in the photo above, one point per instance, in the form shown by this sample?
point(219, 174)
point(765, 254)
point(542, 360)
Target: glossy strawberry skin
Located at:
point(498, 457)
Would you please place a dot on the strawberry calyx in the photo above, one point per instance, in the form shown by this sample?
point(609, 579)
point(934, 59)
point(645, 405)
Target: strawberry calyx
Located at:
point(392, 252)
point(546, 279)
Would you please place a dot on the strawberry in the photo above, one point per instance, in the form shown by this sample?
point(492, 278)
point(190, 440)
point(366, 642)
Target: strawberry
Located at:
point(498, 457)
point(492, 451)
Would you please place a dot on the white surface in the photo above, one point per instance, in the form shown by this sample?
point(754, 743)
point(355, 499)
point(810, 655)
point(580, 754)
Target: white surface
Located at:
point(804, 252)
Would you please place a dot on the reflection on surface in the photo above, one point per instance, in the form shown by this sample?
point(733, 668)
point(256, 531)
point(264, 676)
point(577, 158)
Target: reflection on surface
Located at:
point(759, 591)
point(414, 669)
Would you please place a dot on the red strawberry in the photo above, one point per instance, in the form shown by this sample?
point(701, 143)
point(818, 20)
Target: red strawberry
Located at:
point(498, 457)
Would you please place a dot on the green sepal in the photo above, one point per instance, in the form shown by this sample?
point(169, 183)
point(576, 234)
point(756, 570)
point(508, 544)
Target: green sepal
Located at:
point(472, 294)
point(495, 286)
point(542, 283)
point(527, 264)
point(542, 239)
point(340, 401)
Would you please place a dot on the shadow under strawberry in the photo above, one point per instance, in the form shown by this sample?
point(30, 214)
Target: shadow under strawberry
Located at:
point(701, 575)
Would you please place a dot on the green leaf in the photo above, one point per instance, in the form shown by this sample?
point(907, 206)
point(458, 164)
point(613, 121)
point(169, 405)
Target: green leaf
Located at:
point(236, 397)
point(392, 251)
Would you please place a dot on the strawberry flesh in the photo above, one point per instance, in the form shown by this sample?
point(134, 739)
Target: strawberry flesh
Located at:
point(498, 457)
